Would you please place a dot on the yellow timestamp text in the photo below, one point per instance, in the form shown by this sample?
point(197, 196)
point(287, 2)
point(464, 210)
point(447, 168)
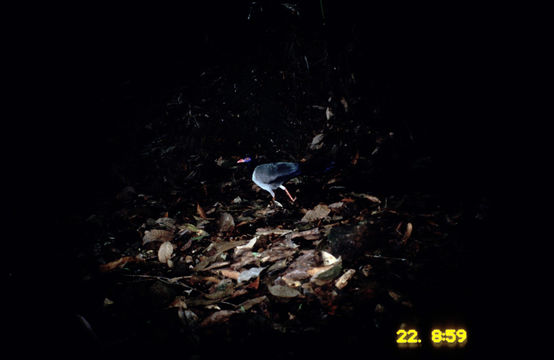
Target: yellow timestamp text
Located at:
point(438, 337)
point(449, 336)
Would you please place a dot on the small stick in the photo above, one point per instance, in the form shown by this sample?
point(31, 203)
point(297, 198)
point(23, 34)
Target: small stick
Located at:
point(386, 257)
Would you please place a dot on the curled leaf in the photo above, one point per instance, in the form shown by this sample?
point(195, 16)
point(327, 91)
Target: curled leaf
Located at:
point(408, 233)
point(328, 113)
point(165, 251)
point(328, 259)
point(343, 280)
point(200, 211)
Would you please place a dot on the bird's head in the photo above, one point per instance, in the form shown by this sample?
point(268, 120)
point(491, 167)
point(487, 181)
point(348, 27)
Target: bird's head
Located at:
point(245, 160)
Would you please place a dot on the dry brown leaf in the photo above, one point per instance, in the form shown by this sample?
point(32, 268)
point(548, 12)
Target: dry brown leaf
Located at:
point(210, 279)
point(222, 293)
point(231, 274)
point(186, 246)
point(343, 280)
point(344, 104)
point(336, 205)
point(328, 113)
point(200, 211)
point(318, 269)
point(250, 303)
point(167, 223)
point(118, 263)
point(371, 198)
point(242, 223)
point(395, 296)
point(317, 213)
point(312, 234)
point(355, 159)
point(217, 317)
point(328, 259)
point(276, 253)
point(226, 222)
point(221, 247)
point(322, 274)
point(239, 292)
point(217, 265)
point(251, 273)
point(408, 233)
point(270, 231)
point(165, 251)
point(178, 302)
point(246, 247)
point(254, 284)
point(366, 269)
point(245, 259)
point(397, 228)
point(156, 235)
point(317, 142)
point(283, 291)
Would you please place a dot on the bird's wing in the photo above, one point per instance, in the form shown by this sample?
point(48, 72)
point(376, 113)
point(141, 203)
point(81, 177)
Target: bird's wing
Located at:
point(275, 174)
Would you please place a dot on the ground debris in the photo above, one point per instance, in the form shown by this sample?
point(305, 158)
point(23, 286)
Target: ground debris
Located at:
point(164, 252)
point(246, 275)
point(157, 235)
point(217, 317)
point(283, 291)
point(119, 263)
point(248, 304)
point(317, 213)
point(343, 280)
point(226, 222)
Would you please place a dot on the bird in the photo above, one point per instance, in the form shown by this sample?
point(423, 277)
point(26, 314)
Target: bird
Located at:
point(272, 176)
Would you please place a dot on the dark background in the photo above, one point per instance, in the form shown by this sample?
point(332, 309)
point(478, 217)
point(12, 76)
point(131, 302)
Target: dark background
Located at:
point(108, 70)
point(89, 77)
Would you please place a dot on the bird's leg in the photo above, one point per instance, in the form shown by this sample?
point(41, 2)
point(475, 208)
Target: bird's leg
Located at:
point(284, 188)
point(277, 203)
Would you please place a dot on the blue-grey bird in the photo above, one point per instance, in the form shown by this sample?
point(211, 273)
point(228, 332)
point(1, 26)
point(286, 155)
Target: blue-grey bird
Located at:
point(272, 176)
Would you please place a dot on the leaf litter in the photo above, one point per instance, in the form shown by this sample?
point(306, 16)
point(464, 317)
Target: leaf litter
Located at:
point(240, 256)
point(244, 268)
